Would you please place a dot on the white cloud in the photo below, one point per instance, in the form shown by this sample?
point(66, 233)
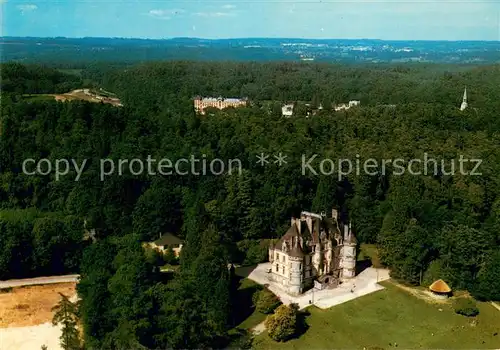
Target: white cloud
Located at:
point(228, 7)
point(213, 14)
point(27, 8)
point(164, 14)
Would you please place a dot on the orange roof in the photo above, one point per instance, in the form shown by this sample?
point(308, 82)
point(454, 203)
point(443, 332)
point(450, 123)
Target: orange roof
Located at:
point(440, 286)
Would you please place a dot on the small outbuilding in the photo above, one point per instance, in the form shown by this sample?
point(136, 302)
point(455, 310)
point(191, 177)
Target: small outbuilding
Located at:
point(166, 241)
point(440, 289)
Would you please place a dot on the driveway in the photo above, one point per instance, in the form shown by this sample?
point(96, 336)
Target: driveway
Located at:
point(363, 284)
point(38, 280)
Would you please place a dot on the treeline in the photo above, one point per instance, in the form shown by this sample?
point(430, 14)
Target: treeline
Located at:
point(21, 79)
point(426, 226)
point(36, 243)
point(170, 85)
point(128, 304)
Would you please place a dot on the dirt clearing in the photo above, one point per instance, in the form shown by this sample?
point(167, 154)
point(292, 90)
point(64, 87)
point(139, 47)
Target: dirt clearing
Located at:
point(31, 305)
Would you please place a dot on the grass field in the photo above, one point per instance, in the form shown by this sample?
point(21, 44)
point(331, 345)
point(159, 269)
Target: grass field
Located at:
point(70, 96)
point(38, 97)
point(393, 318)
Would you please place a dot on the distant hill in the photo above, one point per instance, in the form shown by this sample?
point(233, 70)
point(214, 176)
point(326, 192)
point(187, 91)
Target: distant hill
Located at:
point(47, 50)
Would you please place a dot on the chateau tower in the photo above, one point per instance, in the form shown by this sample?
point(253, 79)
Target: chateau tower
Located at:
point(464, 101)
point(296, 260)
point(348, 254)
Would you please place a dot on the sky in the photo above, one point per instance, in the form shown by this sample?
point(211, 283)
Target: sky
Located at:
point(215, 19)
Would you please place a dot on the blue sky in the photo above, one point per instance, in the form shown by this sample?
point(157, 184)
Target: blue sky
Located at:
point(374, 19)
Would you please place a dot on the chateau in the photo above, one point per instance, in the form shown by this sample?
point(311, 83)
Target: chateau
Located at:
point(315, 251)
point(201, 103)
point(344, 106)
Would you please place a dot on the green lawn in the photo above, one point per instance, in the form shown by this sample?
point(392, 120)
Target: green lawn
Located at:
point(389, 317)
point(38, 97)
point(245, 315)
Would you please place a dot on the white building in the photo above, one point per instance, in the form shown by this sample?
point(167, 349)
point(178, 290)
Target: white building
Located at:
point(344, 106)
point(464, 101)
point(200, 104)
point(287, 110)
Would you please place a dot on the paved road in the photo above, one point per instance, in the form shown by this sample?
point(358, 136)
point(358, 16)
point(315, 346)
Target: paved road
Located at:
point(38, 280)
point(495, 305)
point(364, 283)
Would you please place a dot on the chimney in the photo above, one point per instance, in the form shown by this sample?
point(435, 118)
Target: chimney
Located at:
point(346, 232)
point(292, 221)
point(309, 222)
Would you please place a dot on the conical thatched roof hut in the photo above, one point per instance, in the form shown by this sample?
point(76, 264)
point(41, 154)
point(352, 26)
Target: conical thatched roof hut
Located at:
point(440, 287)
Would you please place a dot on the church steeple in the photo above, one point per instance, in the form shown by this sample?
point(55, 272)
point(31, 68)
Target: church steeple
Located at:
point(464, 101)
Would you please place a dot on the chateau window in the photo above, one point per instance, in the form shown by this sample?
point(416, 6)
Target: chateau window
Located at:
point(300, 266)
point(277, 257)
point(283, 270)
point(283, 258)
point(277, 268)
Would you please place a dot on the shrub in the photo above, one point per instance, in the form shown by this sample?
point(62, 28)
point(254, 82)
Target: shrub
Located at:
point(466, 307)
point(487, 286)
point(282, 325)
point(265, 301)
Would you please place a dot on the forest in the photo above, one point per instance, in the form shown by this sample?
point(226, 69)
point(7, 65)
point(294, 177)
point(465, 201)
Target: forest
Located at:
point(425, 227)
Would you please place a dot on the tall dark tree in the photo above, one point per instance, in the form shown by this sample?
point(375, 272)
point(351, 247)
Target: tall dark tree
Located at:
point(65, 313)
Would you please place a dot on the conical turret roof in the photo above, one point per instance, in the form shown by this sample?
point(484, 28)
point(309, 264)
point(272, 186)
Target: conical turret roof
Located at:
point(440, 286)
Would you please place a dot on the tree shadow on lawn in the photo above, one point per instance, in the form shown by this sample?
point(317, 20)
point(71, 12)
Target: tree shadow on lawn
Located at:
point(302, 325)
point(239, 339)
point(244, 271)
point(243, 305)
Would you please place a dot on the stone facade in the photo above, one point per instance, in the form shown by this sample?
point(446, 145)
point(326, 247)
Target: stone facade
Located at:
point(315, 249)
point(201, 103)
